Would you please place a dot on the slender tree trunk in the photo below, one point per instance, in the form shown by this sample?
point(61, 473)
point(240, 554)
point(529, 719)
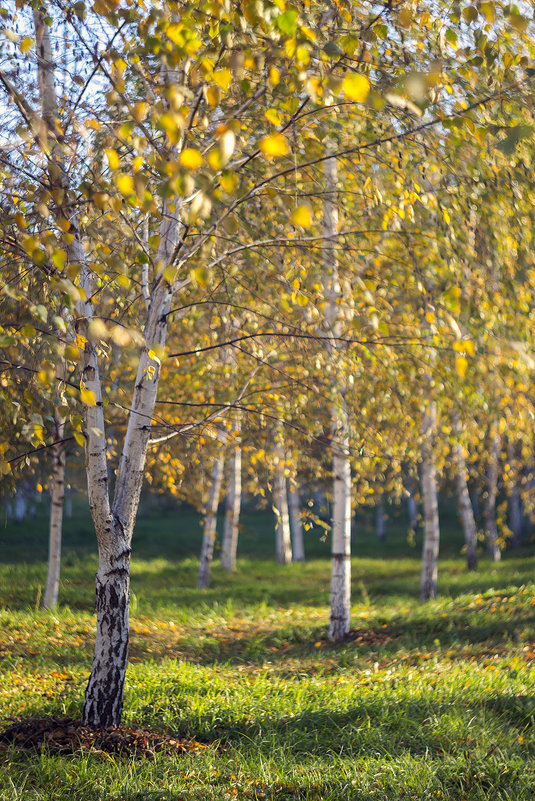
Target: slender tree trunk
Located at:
point(341, 536)
point(340, 601)
point(516, 515)
point(465, 506)
point(233, 505)
point(57, 496)
point(492, 491)
point(412, 507)
point(210, 521)
point(429, 579)
point(296, 526)
point(380, 522)
point(280, 506)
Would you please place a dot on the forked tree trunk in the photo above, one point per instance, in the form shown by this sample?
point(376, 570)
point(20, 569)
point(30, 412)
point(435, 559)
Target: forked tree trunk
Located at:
point(210, 521)
point(280, 506)
point(429, 578)
point(57, 496)
point(232, 508)
point(113, 524)
point(492, 492)
point(340, 600)
point(465, 506)
point(296, 526)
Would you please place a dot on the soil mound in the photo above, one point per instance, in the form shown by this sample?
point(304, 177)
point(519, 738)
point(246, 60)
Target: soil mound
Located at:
point(67, 735)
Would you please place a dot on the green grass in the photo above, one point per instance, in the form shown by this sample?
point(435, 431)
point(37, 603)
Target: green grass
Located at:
point(430, 701)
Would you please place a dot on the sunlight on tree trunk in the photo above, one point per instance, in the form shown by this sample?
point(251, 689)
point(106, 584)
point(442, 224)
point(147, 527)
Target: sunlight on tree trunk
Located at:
point(233, 504)
point(280, 504)
point(210, 521)
point(340, 602)
point(296, 526)
point(57, 497)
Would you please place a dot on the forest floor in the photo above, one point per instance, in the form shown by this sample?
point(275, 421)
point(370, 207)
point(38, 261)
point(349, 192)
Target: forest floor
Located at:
point(423, 701)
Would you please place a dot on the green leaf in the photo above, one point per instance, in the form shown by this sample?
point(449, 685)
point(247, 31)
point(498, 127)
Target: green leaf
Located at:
point(287, 22)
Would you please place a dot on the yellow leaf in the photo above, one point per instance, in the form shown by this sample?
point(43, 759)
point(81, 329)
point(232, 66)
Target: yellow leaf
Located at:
point(302, 216)
point(87, 395)
point(154, 356)
point(63, 224)
point(446, 216)
point(274, 145)
point(461, 364)
point(214, 159)
point(274, 76)
point(228, 181)
point(212, 95)
point(356, 87)
point(124, 183)
point(469, 347)
point(80, 439)
point(113, 158)
point(273, 115)
point(222, 78)
point(26, 44)
point(174, 32)
point(139, 112)
point(190, 158)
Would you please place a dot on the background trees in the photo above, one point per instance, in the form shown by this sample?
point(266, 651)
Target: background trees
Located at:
point(283, 217)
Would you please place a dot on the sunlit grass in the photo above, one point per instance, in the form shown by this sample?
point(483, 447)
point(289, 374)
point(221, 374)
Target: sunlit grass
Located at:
point(428, 701)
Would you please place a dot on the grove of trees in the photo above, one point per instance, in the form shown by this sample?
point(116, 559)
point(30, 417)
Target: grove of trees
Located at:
point(283, 248)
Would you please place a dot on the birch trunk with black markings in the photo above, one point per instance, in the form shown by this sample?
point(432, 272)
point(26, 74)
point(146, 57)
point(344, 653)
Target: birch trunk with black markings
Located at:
point(114, 524)
point(340, 593)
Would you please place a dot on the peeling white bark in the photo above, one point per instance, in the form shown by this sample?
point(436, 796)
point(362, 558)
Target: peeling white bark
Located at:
point(57, 496)
point(210, 521)
point(233, 504)
point(296, 526)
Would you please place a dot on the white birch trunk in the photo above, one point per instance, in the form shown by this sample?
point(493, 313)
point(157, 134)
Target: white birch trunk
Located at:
point(465, 506)
point(490, 500)
point(340, 600)
point(57, 496)
point(280, 505)
point(429, 578)
point(113, 525)
point(210, 521)
point(232, 507)
point(296, 526)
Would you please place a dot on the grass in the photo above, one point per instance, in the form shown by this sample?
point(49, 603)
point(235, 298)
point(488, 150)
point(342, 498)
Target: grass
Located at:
point(429, 701)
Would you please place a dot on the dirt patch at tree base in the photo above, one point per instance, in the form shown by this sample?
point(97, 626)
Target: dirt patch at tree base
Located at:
point(67, 736)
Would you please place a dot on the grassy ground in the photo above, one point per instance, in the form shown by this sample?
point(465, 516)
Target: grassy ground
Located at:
point(429, 701)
